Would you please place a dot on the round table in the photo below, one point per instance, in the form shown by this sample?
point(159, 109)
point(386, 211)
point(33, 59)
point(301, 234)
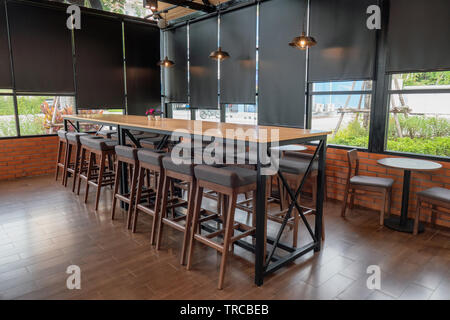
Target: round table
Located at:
point(403, 223)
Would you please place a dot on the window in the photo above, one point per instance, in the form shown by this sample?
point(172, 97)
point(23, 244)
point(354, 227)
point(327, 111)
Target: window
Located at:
point(419, 113)
point(42, 114)
point(343, 108)
point(7, 117)
point(241, 113)
point(207, 115)
point(180, 111)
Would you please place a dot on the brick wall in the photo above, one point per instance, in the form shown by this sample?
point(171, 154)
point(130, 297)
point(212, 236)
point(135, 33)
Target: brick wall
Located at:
point(36, 156)
point(27, 157)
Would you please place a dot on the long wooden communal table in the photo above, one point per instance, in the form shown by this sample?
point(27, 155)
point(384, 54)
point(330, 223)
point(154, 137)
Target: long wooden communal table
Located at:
point(255, 134)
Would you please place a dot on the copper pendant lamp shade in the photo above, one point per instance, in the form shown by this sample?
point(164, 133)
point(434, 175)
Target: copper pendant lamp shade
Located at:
point(219, 54)
point(166, 63)
point(303, 42)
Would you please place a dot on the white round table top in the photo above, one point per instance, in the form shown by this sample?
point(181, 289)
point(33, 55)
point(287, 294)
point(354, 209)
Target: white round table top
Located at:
point(410, 164)
point(290, 147)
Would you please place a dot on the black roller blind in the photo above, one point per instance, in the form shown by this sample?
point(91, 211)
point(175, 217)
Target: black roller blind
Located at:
point(99, 63)
point(203, 70)
point(345, 47)
point(418, 35)
point(41, 48)
point(281, 68)
point(176, 80)
point(5, 64)
point(143, 75)
point(237, 74)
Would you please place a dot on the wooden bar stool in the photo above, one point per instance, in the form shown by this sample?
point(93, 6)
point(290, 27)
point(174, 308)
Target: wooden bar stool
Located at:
point(172, 173)
point(62, 147)
point(128, 155)
point(229, 182)
point(435, 197)
point(72, 167)
point(103, 148)
point(149, 161)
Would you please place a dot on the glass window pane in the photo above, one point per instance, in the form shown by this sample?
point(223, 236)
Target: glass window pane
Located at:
point(7, 118)
point(42, 114)
point(207, 115)
point(180, 111)
point(337, 86)
point(421, 80)
point(241, 113)
point(420, 123)
point(347, 116)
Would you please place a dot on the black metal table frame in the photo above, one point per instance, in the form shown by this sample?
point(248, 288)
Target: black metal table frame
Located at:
point(273, 262)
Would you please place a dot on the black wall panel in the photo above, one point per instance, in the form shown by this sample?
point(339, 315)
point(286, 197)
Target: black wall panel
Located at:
point(5, 63)
point(237, 74)
point(345, 48)
point(281, 68)
point(41, 48)
point(203, 70)
point(99, 63)
point(142, 73)
point(176, 80)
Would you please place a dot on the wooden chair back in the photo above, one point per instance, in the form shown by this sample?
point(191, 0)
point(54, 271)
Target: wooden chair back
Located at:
point(352, 156)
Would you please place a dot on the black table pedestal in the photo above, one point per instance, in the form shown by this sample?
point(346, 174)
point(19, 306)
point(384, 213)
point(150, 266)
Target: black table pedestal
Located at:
point(403, 223)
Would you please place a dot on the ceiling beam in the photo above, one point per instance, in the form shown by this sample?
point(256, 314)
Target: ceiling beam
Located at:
point(191, 5)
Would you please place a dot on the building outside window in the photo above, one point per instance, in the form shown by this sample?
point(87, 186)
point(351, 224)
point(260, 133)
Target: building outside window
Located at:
point(343, 108)
point(419, 113)
point(7, 117)
point(241, 113)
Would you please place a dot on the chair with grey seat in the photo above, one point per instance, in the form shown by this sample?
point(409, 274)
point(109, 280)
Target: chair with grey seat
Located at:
point(436, 198)
point(101, 175)
point(125, 155)
point(229, 182)
point(382, 187)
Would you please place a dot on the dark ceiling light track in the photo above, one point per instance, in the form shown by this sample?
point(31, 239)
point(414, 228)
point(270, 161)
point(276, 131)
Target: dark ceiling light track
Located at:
point(192, 5)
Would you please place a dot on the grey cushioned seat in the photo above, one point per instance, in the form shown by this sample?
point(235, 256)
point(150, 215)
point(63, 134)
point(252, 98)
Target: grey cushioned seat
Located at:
point(298, 155)
point(75, 136)
point(151, 157)
point(436, 193)
point(372, 181)
point(180, 168)
point(296, 165)
point(226, 176)
point(151, 141)
point(106, 132)
point(98, 143)
point(62, 134)
point(127, 152)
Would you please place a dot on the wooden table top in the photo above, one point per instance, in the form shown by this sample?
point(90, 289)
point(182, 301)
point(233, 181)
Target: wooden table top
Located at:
point(253, 133)
point(410, 164)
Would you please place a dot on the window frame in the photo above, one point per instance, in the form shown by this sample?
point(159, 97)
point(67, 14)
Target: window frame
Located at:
point(309, 113)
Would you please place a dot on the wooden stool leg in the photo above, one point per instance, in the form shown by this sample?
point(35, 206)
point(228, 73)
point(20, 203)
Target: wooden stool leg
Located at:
point(82, 160)
point(344, 202)
point(195, 224)
point(140, 184)
point(100, 178)
point(75, 167)
point(88, 175)
point(158, 203)
point(383, 205)
point(132, 195)
point(227, 238)
point(352, 199)
point(116, 188)
point(189, 214)
point(433, 215)
point(163, 213)
point(60, 146)
point(66, 163)
point(416, 218)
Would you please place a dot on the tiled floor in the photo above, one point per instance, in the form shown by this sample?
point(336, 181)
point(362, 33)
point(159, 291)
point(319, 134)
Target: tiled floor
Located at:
point(44, 228)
